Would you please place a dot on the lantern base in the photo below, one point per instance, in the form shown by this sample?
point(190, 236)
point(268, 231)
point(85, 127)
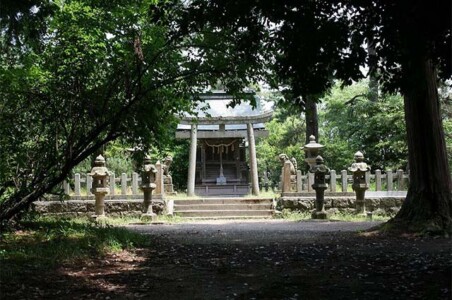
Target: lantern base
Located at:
point(152, 217)
point(322, 215)
point(99, 220)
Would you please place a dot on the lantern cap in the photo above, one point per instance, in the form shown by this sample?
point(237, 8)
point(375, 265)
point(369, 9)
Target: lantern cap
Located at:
point(359, 164)
point(312, 144)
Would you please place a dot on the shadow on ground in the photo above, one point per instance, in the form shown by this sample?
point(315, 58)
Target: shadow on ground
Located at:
point(253, 260)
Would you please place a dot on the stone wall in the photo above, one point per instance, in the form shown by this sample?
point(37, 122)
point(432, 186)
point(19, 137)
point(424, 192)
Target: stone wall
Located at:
point(82, 208)
point(378, 205)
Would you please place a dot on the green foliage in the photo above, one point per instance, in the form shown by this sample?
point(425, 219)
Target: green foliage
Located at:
point(45, 242)
point(350, 122)
point(179, 167)
point(102, 71)
point(295, 215)
point(286, 135)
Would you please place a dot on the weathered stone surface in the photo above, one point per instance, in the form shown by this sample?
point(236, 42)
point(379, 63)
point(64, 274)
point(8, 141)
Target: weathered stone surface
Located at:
point(297, 204)
point(327, 203)
point(394, 210)
point(333, 211)
point(113, 208)
point(384, 205)
point(388, 203)
point(116, 206)
point(379, 212)
point(372, 204)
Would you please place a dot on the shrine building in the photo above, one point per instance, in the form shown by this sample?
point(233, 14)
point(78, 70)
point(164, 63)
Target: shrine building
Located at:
point(220, 137)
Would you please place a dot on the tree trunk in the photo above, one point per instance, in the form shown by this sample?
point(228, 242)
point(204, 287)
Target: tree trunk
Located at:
point(428, 206)
point(312, 118)
point(373, 66)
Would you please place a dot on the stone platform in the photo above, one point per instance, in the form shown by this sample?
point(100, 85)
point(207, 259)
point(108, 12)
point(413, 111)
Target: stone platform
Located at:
point(223, 208)
point(378, 202)
point(85, 208)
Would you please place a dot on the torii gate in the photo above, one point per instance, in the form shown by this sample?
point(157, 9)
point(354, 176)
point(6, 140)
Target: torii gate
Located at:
point(217, 162)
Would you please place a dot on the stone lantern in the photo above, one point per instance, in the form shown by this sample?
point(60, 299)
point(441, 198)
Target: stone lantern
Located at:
point(359, 169)
point(148, 174)
point(100, 187)
point(312, 150)
point(320, 185)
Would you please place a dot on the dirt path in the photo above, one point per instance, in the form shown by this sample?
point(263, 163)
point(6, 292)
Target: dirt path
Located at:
point(258, 260)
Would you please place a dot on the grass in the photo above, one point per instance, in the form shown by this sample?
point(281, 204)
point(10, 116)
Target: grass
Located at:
point(287, 214)
point(44, 242)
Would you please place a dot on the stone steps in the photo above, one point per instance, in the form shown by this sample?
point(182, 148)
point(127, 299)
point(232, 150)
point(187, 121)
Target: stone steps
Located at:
point(224, 208)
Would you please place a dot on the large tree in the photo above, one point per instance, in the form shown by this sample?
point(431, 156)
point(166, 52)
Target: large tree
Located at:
point(79, 74)
point(314, 41)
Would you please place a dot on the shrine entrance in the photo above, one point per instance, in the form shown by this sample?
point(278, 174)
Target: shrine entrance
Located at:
point(221, 167)
point(220, 137)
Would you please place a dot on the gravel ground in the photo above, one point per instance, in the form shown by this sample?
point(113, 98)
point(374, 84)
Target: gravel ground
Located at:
point(250, 231)
point(271, 259)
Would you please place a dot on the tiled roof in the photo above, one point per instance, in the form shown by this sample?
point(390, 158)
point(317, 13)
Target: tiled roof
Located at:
point(216, 105)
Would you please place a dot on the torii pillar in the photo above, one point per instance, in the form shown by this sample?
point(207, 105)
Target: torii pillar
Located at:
point(192, 161)
point(253, 160)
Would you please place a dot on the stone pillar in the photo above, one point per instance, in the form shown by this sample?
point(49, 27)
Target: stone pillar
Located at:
point(378, 180)
point(299, 183)
point(359, 169)
point(237, 161)
point(320, 171)
point(333, 181)
point(159, 188)
point(89, 185)
point(66, 187)
point(112, 184)
point(99, 173)
point(286, 184)
point(389, 180)
point(134, 183)
point(148, 176)
point(310, 178)
point(344, 181)
point(123, 184)
point(203, 161)
point(77, 184)
point(253, 160)
point(192, 161)
point(400, 186)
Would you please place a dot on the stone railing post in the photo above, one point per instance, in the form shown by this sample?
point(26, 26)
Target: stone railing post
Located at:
point(123, 184)
point(400, 183)
point(389, 180)
point(89, 184)
point(134, 183)
point(159, 188)
point(299, 182)
point(66, 187)
point(333, 181)
point(344, 179)
point(112, 183)
point(77, 184)
point(378, 180)
point(310, 181)
point(367, 177)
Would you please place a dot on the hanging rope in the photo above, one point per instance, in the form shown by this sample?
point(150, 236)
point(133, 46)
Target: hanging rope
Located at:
point(222, 148)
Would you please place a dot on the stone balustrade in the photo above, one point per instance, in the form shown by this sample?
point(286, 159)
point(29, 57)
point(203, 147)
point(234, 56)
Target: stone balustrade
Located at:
point(340, 182)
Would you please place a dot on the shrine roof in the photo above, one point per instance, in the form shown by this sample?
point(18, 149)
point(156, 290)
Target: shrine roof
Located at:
point(215, 110)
